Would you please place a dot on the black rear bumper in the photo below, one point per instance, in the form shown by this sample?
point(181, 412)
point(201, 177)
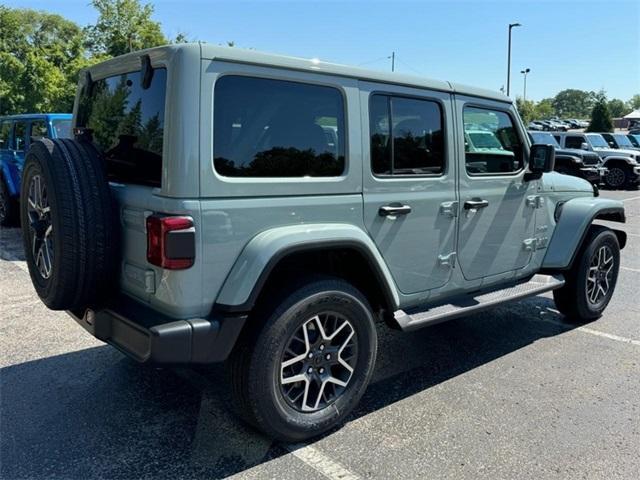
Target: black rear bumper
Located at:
point(148, 336)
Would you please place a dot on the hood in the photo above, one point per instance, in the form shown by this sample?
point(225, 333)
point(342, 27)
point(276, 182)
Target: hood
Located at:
point(558, 182)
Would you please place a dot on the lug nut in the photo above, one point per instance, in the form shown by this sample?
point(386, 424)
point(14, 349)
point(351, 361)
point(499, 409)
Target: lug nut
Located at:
point(328, 357)
point(321, 347)
point(310, 370)
point(311, 355)
point(321, 370)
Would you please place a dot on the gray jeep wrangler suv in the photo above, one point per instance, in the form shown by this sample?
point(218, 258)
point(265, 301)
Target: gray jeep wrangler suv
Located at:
point(226, 205)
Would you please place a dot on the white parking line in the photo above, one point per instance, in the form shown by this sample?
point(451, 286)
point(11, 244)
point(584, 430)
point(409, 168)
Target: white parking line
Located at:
point(597, 333)
point(630, 269)
point(629, 199)
point(320, 462)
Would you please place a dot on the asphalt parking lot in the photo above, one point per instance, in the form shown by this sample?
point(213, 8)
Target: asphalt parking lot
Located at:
point(514, 392)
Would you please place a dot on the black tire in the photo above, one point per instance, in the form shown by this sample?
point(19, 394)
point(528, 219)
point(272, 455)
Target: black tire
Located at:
point(257, 392)
point(572, 299)
point(8, 206)
point(617, 177)
point(82, 237)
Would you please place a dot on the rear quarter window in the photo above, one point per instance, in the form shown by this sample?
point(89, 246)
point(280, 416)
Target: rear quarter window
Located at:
point(277, 128)
point(126, 122)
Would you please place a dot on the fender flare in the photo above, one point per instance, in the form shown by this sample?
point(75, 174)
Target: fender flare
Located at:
point(574, 217)
point(616, 158)
point(263, 252)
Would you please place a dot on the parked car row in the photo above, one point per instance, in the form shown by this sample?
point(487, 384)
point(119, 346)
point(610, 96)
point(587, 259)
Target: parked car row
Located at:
point(557, 125)
point(17, 132)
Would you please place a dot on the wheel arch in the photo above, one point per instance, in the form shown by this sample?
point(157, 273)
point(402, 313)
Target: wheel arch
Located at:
point(574, 218)
point(343, 250)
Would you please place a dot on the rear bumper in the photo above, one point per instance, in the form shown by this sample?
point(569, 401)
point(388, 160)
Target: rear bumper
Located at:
point(148, 336)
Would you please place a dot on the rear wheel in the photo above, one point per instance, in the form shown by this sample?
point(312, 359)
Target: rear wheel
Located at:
point(592, 279)
point(303, 368)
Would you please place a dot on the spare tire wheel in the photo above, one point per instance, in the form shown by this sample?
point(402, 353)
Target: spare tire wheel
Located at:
point(68, 224)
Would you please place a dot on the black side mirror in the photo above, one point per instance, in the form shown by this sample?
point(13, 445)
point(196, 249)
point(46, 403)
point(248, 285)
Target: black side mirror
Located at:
point(542, 159)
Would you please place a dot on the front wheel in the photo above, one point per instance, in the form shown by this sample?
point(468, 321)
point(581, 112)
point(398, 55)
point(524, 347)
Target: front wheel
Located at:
point(307, 361)
point(592, 279)
point(616, 177)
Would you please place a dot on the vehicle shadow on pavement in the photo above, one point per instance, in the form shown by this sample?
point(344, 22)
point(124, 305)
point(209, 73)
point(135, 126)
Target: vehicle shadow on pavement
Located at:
point(94, 414)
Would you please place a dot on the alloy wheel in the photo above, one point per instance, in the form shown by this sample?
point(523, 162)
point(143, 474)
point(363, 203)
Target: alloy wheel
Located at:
point(615, 177)
point(318, 362)
point(600, 275)
point(40, 226)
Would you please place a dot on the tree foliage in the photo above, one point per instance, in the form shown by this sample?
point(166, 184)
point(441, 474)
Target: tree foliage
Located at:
point(600, 115)
point(122, 27)
point(40, 56)
point(634, 103)
point(572, 103)
point(618, 108)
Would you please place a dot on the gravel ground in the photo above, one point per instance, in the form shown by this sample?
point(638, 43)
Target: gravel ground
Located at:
point(514, 392)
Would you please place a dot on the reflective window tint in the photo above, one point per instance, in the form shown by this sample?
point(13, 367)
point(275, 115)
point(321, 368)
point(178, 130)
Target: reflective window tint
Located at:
point(276, 128)
point(406, 136)
point(62, 128)
point(127, 125)
point(491, 142)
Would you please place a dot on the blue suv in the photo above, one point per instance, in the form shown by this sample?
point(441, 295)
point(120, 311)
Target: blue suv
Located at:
point(16, 134)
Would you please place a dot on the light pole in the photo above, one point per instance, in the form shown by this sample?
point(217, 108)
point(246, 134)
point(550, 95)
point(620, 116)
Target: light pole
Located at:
point(511, 25)
point(525, 72)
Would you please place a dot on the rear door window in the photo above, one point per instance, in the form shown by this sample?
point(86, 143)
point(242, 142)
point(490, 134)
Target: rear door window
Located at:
point(126, 122)
point(20, 136)
point(5, 134)
point(572, 141)
point(277, 128)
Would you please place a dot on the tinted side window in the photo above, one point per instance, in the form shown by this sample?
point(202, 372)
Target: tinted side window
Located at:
point(38, 130)
point(573, 141)
point(406, 136)
point(19, 136)
point(127, 125)
point(5, 133)
point(491, 142)
point(276, 128)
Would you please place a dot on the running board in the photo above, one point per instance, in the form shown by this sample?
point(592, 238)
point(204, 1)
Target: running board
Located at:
point(537, 284)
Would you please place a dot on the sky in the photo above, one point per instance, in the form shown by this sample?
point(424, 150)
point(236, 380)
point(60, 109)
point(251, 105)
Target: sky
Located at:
point(588, 45)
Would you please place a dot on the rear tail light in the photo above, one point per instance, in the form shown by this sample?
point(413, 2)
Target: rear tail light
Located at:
point(171, 242)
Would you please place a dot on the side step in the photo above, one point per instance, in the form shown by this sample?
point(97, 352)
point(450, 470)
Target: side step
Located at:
point(537, 284)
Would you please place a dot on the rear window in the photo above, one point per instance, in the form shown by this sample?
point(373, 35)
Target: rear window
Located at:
point(126, 123)
point(62, 128)
point(277, 128)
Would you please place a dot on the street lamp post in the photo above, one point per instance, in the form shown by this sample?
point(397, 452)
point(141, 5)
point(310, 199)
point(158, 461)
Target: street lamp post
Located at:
point(525, 72)
point(511, 25)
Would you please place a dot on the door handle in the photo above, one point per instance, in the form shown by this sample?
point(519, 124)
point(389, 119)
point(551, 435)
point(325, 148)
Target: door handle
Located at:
point(475, 204)
point(394, 209)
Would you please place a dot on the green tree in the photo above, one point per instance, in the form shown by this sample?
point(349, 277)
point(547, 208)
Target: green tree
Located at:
point(122, 27)
point(40, 56)
point(617, 108)
point(634, 102)
point(545, 108)
point(573, 103)
point(526, 108)
point(600, 115)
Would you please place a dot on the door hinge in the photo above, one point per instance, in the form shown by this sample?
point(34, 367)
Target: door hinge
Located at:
point(530, 244)
point(449, 209)
point(448, 260)
point(535, 201)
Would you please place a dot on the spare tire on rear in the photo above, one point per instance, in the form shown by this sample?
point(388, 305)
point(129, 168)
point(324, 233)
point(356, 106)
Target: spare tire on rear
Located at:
point(68, 224)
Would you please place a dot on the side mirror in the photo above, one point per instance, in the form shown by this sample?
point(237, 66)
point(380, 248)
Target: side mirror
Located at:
point(584, 146)
point(612, 144)
point(542, 159)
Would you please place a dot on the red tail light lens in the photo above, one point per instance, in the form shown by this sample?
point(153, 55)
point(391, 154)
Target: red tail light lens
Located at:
point(171, 242)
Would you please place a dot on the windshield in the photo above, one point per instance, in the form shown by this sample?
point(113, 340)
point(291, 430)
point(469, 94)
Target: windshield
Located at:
point(62, 128)
point(635, 139)
point(545, 139)
point(597, 140)
point(623, 141)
